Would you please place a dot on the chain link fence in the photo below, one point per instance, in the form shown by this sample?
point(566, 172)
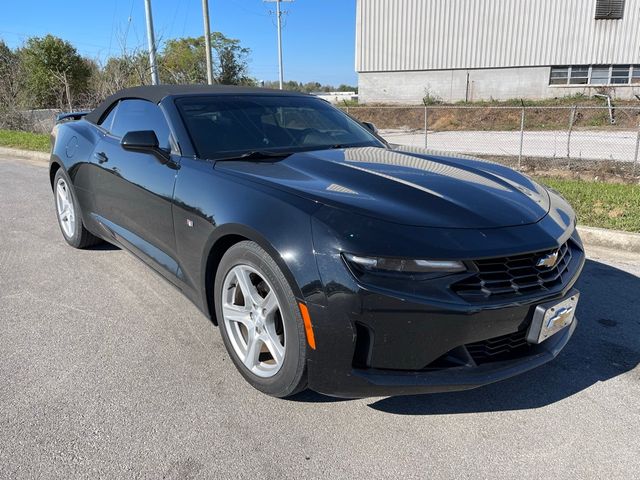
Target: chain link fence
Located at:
point(570, 137)
point(37, 121)
point(591, 138)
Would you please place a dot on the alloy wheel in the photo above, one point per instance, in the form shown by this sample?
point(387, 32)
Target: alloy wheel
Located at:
point(253, 319)
point(64, 206)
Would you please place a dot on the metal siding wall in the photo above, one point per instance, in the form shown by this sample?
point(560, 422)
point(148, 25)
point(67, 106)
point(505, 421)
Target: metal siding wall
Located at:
point(396, 35)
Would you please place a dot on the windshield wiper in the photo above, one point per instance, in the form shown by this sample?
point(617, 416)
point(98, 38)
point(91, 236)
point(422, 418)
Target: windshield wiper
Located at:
point(347, 145)
point(255, 155)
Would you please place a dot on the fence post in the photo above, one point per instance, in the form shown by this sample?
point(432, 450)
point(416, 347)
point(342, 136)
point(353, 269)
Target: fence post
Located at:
point(521, 139)
point(426, 127)
point(572, 116)
point(635, 157)
point(347, 110)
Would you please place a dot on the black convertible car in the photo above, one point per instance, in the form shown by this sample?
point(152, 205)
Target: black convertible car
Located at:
point(328, 258)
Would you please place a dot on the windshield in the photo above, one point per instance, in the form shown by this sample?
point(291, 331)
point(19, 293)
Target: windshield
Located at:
point(225, 125)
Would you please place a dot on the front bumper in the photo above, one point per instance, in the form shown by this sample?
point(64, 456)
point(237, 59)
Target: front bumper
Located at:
point(359, 383)
point(373, 342)
point(417, 359)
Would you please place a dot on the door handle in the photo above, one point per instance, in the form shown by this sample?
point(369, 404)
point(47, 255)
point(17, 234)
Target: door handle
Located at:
point(101, 157)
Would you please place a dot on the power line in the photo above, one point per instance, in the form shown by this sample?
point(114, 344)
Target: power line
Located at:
point(184, 24)
point(247, 10)
point(126, 32)
point(24, 35)
point(113, 24)
point(174, 17)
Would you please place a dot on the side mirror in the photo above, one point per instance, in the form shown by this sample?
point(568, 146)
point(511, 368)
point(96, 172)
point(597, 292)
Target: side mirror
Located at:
point(371, 127)
point(140, 140)
point(144, 141)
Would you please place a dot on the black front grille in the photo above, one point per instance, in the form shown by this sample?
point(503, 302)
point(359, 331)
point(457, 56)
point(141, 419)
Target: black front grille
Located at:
point(496, 349)
point(518, 275)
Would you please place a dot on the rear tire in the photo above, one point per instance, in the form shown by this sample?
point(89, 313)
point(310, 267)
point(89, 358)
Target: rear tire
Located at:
point(260, 321)
point(69, 214)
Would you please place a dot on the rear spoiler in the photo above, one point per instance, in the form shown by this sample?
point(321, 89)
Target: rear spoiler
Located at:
point(65, 117)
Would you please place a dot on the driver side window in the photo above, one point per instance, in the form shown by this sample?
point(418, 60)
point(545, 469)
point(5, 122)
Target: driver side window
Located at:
point(133, 115)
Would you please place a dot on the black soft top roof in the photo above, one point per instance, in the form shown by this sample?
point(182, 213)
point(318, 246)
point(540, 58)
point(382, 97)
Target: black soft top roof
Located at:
point(155, 93)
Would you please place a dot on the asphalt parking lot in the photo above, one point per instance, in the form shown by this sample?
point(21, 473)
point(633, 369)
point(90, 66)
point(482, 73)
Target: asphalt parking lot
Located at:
point(106, 371)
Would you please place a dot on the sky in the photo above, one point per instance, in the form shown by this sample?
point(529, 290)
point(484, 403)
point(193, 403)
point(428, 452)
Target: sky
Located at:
point(318, 35)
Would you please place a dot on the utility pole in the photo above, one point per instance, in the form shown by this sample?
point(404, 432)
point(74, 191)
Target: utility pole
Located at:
point(207, 40)
point(280, 66)
point(279, 13)
point(152, 43)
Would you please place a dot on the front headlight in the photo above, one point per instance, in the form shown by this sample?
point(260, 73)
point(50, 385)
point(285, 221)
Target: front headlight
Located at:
point(387, 265)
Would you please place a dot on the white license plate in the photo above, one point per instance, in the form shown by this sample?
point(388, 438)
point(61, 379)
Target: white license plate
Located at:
point(551, 317)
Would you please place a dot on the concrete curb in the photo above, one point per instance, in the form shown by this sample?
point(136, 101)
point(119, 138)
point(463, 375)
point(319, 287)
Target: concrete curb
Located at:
point(31, 155)
point(591, 236)
point(614, 239)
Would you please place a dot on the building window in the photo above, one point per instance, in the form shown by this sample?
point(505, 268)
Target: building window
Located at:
point(620, 74)
point(600, 75)
point(609, 9)
point(595, 75)
point(559, 75)
point(579, 75)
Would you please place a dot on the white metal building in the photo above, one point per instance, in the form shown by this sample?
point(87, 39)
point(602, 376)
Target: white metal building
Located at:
point(501, 49)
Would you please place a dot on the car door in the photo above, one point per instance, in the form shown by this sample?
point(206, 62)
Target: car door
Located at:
point(134, 194)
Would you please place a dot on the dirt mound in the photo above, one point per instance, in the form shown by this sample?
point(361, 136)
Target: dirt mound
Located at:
point(491, 118)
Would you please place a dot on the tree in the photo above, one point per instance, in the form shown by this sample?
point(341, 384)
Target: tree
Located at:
point(310, 87)
point(127, 70)
point(347, 88)
point(53, 72)
point(10, 85)
point(48, 72)
point(183, 60)
point(232, 67)
point(288, 85)
point(9, 74)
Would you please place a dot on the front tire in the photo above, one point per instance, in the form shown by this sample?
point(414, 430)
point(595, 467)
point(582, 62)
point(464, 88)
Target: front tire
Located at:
point(260, 322)
point(69, 214)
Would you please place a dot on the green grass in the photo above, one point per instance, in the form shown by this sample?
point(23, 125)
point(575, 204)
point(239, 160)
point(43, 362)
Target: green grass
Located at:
point(598, 204)
point(25, 140)
point(347, 103)
point(568, 100)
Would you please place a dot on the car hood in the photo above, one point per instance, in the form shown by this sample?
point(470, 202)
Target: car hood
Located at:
point(405, 185)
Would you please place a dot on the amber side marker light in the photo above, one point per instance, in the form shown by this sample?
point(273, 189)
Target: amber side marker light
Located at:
point(308, 328)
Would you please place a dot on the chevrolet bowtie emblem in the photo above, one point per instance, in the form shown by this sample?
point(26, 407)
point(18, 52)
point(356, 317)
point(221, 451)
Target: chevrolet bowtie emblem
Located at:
point(548, 260)
point(561, 318)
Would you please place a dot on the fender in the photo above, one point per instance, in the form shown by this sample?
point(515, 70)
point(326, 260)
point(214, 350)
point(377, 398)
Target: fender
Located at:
point(219, 242)
point(54, 164)
point(73, 144)
point(211, 206)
